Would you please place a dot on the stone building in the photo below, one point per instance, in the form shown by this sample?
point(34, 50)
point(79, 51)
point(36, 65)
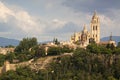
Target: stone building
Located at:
point(82, 38)
point(4, 51)
point(110, 41)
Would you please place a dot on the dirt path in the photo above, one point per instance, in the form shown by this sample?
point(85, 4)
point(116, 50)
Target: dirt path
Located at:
point(47, 61)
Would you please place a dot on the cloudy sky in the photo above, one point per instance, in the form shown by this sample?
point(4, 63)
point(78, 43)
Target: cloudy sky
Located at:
point(46, 19)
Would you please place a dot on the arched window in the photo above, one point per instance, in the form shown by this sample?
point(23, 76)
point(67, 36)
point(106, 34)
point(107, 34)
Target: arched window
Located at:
point(96, 27)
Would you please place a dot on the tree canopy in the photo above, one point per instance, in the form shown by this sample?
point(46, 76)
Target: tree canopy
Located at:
point(26, 44)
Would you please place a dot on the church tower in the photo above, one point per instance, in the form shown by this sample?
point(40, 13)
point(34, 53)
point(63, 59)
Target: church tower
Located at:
point(95, 28)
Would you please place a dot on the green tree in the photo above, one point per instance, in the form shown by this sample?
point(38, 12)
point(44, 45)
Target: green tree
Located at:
point(54, 50)
point(116, 51)
point(22, 73)
point(110, 46)
point(26, 44)
point(93, 48)
point(66, 49)
point(2, 59)
point(116, 68)
point(118, 45)
point(10, 57)
point(55, 41)
point(38, 51)
point(104, 50)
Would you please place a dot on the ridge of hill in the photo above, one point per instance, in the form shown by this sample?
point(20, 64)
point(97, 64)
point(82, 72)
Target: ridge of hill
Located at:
point(7, 41)
point(115, 38)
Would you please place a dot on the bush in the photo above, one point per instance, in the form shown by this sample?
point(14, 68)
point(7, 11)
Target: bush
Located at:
point(22, 73)
point(116, 51)
point(10, 57)
point(93, 48)
point(2, 59)
point(38, 51)
point(118, 45)
point(54, 51)
point(66, 49)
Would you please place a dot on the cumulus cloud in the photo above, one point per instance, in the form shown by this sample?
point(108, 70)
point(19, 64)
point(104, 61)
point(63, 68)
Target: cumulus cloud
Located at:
point(110, 23)
point(18, 23)
point(5, 13)
point(108, 11)
point(91, 5)
point(58, 23)
point(19, 18)
point(106, 21)
point(27, 22)
point(57, 17)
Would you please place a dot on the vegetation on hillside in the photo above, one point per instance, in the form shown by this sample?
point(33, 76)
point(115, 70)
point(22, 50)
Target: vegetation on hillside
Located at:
point(84, 65)
point(22, 73)
point(96, 62)
point(29, 48)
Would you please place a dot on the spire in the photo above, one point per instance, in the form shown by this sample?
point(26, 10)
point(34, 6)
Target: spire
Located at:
point(84, 29)
point(111, 37)
point(94, 15)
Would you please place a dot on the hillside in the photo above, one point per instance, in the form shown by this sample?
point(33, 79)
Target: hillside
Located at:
point(115, 38)
point(6, 42)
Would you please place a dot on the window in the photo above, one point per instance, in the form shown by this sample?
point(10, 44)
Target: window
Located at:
point(96, 27)
point(93, 27)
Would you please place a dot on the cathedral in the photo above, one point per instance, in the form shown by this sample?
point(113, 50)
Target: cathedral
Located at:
point(83, 38)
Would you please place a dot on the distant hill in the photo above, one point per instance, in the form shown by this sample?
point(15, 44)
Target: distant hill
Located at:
point(115, 38)
point(6, 42)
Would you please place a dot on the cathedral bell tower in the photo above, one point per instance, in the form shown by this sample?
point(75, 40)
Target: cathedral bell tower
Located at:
point(95, 28)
